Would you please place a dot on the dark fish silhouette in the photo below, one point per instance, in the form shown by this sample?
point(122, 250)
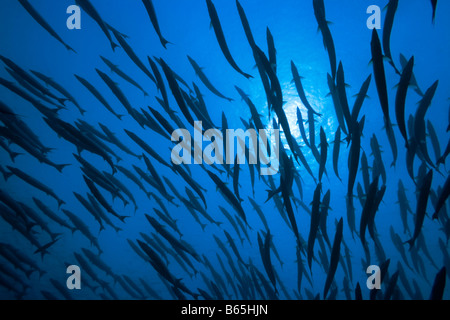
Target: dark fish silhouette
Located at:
point(215, 22)
point(405, 80)
point(87, 6)
point(335, 254)
point(154, 19)
point(205, 80)
point(421, 207)
point(387, 29)
point(380, 80)
point(39, 19)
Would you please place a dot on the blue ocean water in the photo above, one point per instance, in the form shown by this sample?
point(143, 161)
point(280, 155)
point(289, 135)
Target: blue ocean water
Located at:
point(186, 25)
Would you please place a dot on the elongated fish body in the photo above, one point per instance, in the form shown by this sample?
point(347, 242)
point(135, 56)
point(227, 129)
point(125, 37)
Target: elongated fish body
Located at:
point(159, 82)
point(80, 225)
point(354, 159)
point(367, 209)
point(315, 220)
point(301, 127)
point(421, 207)
point(98, 95)
point(228, 195)
point(272, 50)
point(122, 74)
point(264, 248)
point(300, 90)
point(340, 86)
point(378, 167)
point(154, 19)
point(101, 199)
point(130, 52)
point(434, 5)
point(324, 207)
point(116, 90)
point(147, 148)
point(39, 19)
point(405, 80)
point(176, 91)
point(116, 141)
point(380, 80)
point(319, 12)
point(404, 206)
point(233, 247)
point(419, 122)
point(87, 6)
point(323, 152)
point(371, 223)
point(90, 209)
point(445, 193)
point(25, 75)
point(35, 183)
point(312, 136)
point(51, 214)
point(335, 254)
point(23, 94)
point(205, 80)
point(387, 28)
point(362, 94)
point(336, 149)
point(221, 38)
point(379, 73)
point(59, 88)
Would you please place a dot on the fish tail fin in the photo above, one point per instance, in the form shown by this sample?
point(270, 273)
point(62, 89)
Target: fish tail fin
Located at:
point(42, 251)
point(46, 150)
point(6, 175)
point(178, 281)
point(70, 48)
point(62, 100)
point(60, 203)
point(82, 111)
point(164, 42)
point(435, 215)
point(410, 242)
point(60, 167)
point(114, 46)
point(203, 225)
point(145, 93)
point(119, 116)
point(13, 155)
point(122, 218)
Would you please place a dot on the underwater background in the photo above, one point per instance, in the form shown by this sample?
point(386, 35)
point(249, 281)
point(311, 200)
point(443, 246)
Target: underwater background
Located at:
point(245, 267)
